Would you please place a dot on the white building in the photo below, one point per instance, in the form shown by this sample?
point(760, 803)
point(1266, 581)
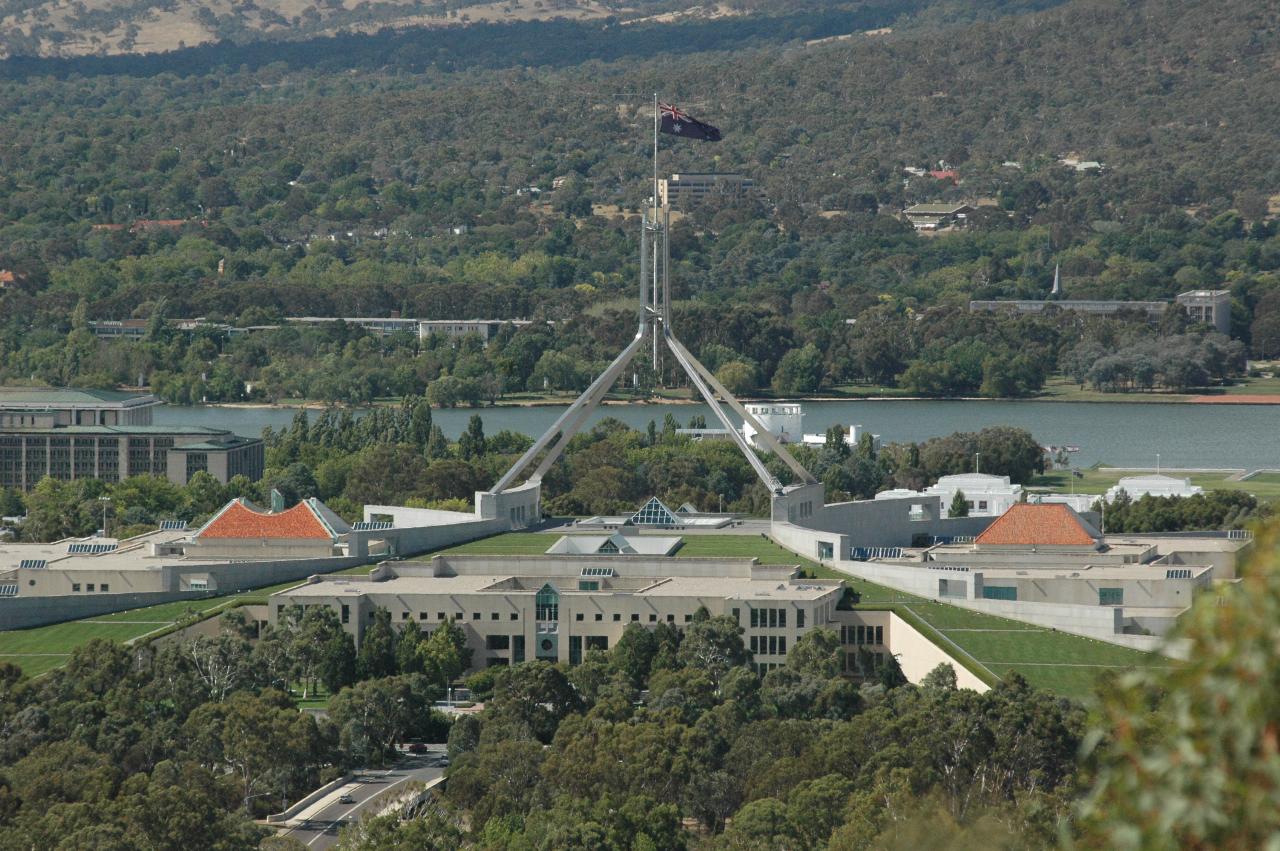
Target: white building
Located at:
point(781, 419)
point(851, 438)
point(988, 496)
point(1155, 485)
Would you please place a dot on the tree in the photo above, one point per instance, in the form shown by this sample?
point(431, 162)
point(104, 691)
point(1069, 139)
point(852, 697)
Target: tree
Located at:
point(959, 505)
point(445, 654)
point(818, 653)
point(407, 659)
point(337, 666)
point(1221, 705)
point(738, 377)
point(472, 443)
point(633, 653)
point(375, 714)
point(713, 645)
point(377, 655)
point(799, 371)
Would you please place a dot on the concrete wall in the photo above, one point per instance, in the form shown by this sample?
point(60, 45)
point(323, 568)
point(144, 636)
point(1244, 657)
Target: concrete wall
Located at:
point(520, 506)
point(1155, 592)
point(882, 522)
point(917, 655)
point(19, 613)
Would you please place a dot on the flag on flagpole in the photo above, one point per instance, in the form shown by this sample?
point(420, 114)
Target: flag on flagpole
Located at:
point(677, 123)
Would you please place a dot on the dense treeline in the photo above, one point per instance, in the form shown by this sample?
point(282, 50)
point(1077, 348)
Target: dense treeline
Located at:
point(339, 195)
point(1218, 509)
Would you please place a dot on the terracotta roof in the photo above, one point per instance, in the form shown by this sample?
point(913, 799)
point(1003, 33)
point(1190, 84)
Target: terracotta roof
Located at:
point(239, 519)
point(1049, 525)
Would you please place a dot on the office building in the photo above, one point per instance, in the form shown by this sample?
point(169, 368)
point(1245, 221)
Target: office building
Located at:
point(73, 434)
point(681, 191)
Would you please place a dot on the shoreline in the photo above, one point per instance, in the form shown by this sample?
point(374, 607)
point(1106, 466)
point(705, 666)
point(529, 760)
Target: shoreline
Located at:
point(1180, 399)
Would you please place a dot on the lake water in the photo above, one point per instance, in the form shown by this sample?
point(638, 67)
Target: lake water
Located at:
point(1116, 433)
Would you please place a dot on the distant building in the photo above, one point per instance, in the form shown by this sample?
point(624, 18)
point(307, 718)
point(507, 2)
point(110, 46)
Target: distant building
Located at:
point(1154, 485)
point(73, 434)
point(681, 191)
point(384, 326)
point(655, 514)
point(937, 215)
point(783, 420)
point(1212, 307)
point(988, 496)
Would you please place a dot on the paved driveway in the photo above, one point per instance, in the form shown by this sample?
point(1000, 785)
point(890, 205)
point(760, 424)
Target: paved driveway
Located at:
point(318, 824)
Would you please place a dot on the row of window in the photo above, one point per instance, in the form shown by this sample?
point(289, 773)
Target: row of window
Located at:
point(103, 588)
point(773, 618)
point(515, 616)
point(772, 645)
point(861, 634)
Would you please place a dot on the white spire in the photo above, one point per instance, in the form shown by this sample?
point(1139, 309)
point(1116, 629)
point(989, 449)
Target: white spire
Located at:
point(1057, 281)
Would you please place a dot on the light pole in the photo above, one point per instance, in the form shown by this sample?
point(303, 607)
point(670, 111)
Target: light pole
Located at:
point(105, 500)
point(1157, 463)
point(721, 502)
point(977, 458)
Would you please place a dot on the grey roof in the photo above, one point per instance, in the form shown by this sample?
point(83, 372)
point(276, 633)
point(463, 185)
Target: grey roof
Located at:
point(124, 430)
point(940, 209)
point(60, 397)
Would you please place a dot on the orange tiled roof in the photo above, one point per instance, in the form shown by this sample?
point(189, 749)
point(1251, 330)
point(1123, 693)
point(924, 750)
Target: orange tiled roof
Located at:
point(239, 521)
point(1047, 525)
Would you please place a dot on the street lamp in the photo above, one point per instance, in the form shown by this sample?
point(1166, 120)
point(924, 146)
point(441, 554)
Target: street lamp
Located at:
point(1157, 463)
point(105, 500)
point(977, 457)
point(721, 502)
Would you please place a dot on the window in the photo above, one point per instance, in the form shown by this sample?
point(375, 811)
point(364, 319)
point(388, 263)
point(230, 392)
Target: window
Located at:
point(404, 616)
point(782, 618)
point(517, 648)
point(515, 616)
point(737, 615)
point(879, 635)
point(782, 645)
point(634, 618)
point(497, 642)
point(617, 616)
point(439, 616)
point(104, 587)
point(75, 587)
point(597, 642)
point(773, 618)
point(575, 650)
point(599, 617)
point(493, 616)
point(773, 645)
point(799, 618)
point(999, 592)
point(578, 616)
point(671, 618)
point(653, 618)
point(588, 585)
point(755, 646)
point(88, 586)
point(1110, 596)
point(346, 613)
point(982, 505)
point(826, 550)
point(688, 618)
point(475, 616)
point(755, 618)
point(547, 604)
point(422, 616)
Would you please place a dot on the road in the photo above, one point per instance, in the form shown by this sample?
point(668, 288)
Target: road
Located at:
point(320, 822)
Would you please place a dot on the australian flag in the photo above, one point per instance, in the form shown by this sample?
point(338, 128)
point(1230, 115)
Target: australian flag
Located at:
point(677, 123)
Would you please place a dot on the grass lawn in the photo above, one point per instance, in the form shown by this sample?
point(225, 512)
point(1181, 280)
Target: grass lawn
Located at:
point(1060, 388)
point(1265, 486)
point(43, 648)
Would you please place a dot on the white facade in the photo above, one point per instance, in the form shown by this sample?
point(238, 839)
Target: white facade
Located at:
point(988, 496)
point(781, 419)
point(1139, 486)
point(1078, 502)
point(851, 438)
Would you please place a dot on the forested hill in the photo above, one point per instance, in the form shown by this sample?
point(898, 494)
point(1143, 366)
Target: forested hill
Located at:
point(343, 188)
point(60, 28)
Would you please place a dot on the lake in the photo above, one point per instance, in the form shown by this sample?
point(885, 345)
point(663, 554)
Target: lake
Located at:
point(1116, 433)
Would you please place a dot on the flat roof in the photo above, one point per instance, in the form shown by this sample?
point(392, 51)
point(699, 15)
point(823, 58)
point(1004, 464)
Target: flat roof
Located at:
point(1093, 571)
point(123, 430)
point(233, 441)
point(131, 554)
point(65, 397)
point(727, 587)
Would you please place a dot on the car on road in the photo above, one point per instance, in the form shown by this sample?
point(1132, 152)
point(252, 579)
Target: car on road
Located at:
point(417, 747)
point(345, 798)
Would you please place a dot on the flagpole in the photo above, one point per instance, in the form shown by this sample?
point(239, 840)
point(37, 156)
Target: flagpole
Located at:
point(654, 223)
